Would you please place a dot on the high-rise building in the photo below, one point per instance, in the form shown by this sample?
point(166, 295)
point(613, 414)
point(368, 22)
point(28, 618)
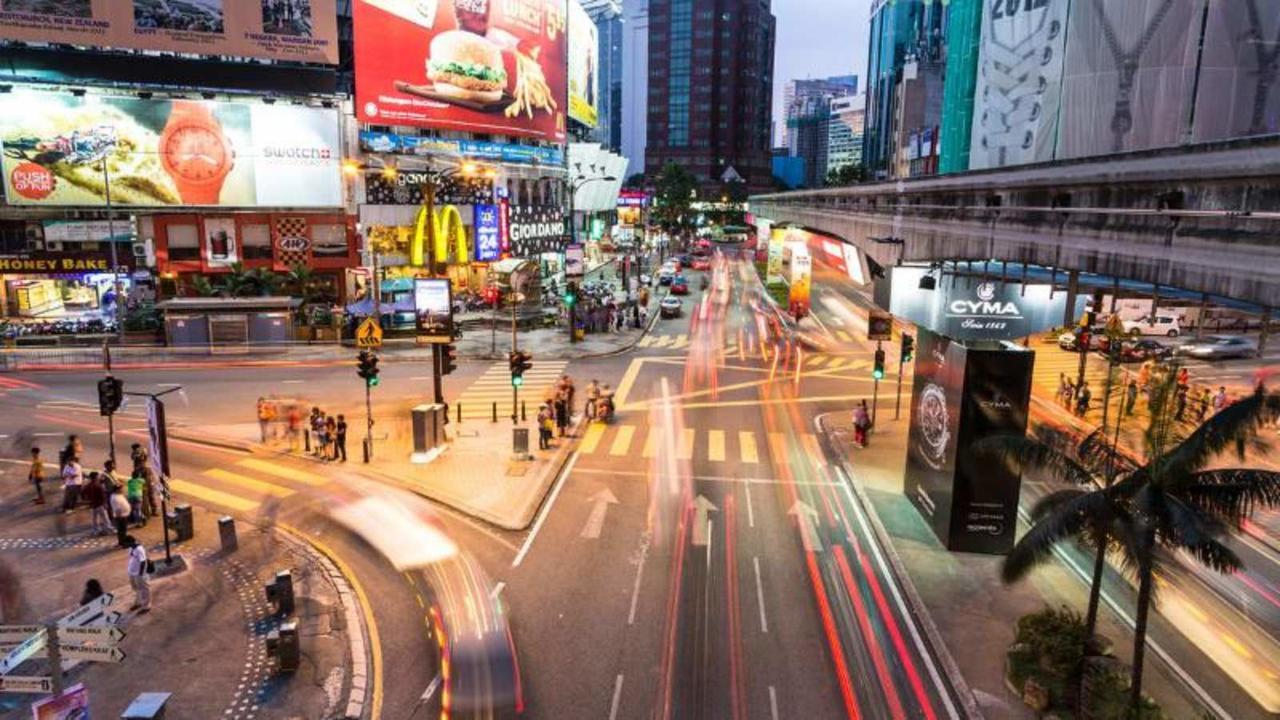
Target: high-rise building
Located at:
point(710, 89)
point(807, 121)
point(607, 15)
point(835, 86)
point(635, 84)
point(844, 131)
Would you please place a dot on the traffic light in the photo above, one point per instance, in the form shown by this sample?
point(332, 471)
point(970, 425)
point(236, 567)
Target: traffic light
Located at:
point(448, 359)
point(368, 368)
point(519, 361)
point(110, 395)
point(877, 372)
point(571, 294)
point(908, 348)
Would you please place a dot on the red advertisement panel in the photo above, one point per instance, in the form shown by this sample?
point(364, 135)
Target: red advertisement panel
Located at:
point(489, 66)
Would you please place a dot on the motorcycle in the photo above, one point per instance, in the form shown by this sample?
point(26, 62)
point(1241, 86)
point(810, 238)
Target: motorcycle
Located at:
point(603, 410)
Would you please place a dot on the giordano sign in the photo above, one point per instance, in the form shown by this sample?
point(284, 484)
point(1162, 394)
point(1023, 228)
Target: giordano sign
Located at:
point(55, 264)
point(447, 223)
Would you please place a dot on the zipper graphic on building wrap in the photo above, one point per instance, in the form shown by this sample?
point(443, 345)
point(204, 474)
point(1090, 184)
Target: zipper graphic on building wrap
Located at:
point(1268, 65)
point(1127, 64)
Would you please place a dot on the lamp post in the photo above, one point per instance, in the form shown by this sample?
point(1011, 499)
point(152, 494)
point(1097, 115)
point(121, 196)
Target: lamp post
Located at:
point(574, 185)
point(117, 285)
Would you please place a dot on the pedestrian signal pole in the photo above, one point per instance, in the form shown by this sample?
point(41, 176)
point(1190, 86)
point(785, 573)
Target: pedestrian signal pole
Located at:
point(877, 373)
point(908, 351)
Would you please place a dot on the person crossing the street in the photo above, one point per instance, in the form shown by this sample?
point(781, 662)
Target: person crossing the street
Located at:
point(36, 475)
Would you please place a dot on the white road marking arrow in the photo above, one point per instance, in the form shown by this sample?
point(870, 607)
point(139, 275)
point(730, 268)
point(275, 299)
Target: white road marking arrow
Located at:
point(600, 508)
point(702, 507)
point(807, 517)
point(92, 653)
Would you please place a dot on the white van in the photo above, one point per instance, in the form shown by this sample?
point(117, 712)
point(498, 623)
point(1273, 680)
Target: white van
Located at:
point(1165, 325)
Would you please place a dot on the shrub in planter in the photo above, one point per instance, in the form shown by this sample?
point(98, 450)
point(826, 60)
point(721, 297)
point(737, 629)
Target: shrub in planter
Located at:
point(1046, 654)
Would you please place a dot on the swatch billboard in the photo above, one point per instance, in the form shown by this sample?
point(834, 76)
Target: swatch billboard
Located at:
point(292, 30)
point(165, 153)
point(487, 66)
point(584, 80)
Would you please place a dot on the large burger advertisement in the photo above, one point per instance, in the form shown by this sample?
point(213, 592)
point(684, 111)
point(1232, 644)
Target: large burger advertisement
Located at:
point(491, 66)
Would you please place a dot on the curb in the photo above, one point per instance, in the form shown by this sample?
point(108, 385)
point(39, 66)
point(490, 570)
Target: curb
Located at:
point(964, 694)
point(365, 646)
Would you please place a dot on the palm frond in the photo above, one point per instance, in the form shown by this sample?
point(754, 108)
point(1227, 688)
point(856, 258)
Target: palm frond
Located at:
point(1028, 453)
point(1186, 528)
point(1231, 494)
point(1069, 518)
point(1234, 425)
point(1054, 500)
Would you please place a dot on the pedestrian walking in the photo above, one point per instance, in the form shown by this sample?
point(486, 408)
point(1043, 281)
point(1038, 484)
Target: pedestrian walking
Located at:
point(134, 488)
point(139, 575)
point(1202, 405)
point(1082, 400)
point(1130, 396)
point(1220, 399)
point(72, 481)
point(92, 591)
point(341, 436)
point(1144, 375)
point(861, 424)
point(266, 415)
point(36, 475)
point(95, 495)
point(119, 506)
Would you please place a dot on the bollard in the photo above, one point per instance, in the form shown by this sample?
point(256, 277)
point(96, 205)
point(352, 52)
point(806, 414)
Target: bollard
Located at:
point(495, 412)
point(283, 645)
point(181, 523)
point(280, 592)
point(306, 440)
point(459, 413)
point(227, 533)
point(523, 417)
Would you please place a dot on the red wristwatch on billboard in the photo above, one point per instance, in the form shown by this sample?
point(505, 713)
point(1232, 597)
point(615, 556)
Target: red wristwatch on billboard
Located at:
point(195, 152)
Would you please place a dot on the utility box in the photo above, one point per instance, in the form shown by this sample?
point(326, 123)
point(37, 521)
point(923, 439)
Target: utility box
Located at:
point(428, 429)
point(227, 533)
point(285, 647)
point(181, 523)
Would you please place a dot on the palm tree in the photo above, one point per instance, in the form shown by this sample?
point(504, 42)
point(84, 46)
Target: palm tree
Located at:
point(249, 283)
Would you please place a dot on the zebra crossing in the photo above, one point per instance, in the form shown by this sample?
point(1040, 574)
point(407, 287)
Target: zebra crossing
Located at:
point(495, 384)
point(743, 447)
point(246, 484)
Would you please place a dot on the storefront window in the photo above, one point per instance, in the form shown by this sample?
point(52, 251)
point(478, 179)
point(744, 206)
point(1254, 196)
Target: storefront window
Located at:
point(257, 241)
point(184, 242)
point(328, 240)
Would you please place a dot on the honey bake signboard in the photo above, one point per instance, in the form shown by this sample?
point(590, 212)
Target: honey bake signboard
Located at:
point(294, 30)
point(490, 66)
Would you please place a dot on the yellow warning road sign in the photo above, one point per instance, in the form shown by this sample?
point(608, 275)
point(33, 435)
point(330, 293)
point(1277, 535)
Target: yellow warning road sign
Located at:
point(369, 335)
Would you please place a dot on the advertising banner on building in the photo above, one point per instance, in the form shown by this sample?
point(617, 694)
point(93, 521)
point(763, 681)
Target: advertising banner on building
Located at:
point(584, 64)
point(292, 30)
point(974, 306)
point(1238, 93)
point(1019, 83)
point(485, 66)
point(406, 188)
point(64, 263)
point(535, 229)
point(801, 280)
point(433, 308)
point(385, 142)
point(160, 153)
point(220, 242)
point(777, 241)
point(487, 230)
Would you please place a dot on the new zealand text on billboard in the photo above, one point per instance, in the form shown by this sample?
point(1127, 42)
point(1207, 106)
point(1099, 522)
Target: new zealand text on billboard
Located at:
point(433, 306)
point(584, 80)
point(295, 30)
point(167, 152)
point(491, 66)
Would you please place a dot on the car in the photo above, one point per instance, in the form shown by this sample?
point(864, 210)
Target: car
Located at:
point(1220, 347)
point(1097, 340)
point(679, 286)
point(1141, 350)
point(671, 307)
point(685, 260)
point(701, 263)
point(1166, 325)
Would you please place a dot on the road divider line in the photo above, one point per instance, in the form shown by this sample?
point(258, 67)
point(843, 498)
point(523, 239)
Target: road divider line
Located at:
point(217, 497)
point(546, 510)
point(773, 703)
point(248, 483)
point(751, 513)
point(764, 621)
point(617, 697)
point(635, 587)
point(622, 441)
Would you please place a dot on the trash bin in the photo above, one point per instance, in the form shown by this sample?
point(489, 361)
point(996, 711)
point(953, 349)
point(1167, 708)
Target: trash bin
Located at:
point(181, 523)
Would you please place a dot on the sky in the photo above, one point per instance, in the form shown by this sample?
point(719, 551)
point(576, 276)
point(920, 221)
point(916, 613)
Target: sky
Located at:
point(818, 38)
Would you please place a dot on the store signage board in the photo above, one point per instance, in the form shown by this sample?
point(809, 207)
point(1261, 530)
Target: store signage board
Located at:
point(575, 264)
point(26, 683)
point(583, 70)
point(433, 308)
point(488, 233)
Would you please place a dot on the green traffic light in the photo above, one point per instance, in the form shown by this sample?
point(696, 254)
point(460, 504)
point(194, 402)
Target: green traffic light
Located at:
point(373, 382)
point(570, 299)
point(517, 381)
point(878, 374)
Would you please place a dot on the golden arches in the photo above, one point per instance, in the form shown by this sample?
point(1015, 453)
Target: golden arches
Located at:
point(447, 221)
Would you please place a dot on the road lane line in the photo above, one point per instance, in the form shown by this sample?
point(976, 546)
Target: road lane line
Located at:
point(292, 382)
point(773, 703)
point(210, 495)
point(622, 441)
point(764, 622)
point(591, 438)
point(751, 512)
point(685, 449)
point(497, 590)
point(617, 696)
point(282, 471)
point(546, 510)
point(715, 445)
point(747, 446)
point(248, 483)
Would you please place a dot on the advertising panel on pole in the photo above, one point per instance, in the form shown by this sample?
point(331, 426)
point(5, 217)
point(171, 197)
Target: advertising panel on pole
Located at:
point(777, 242)
point(487, 66)
point(584, 64)
point(487, 228)
point(158, 438)
point(535, 229)
point(934, 428)
point(801, 279)
point(1019, 84)
point(575, 263)
point(292, 30)
point(167, 153)
point(433, 308)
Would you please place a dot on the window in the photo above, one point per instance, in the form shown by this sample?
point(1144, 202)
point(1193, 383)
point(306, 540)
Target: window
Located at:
point(329, 240)
point(184, 242)
point(256, 240)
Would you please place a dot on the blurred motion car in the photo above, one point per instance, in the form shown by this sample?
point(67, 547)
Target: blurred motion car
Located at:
point(671, 307)
point(1097, 339)
point(1220, 347)
point(679, 286)
point(1142, 350)
point(701, 263)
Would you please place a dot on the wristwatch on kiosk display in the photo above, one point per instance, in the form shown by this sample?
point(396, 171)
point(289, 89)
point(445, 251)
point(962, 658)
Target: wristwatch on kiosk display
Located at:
point(195, 152)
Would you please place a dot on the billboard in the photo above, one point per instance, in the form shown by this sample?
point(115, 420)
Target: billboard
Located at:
point(801, 279)
point(433, 308)
point(535, 229)
point(777, 241)
point(1236, 93)
point(292, 30)
point(584, 64)
point(488, 233)
point(163, 153)
point(959, 396)
point(473, 65)
point(386, 142)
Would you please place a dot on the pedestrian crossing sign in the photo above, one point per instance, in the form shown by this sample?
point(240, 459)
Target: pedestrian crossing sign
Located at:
point(369, 335)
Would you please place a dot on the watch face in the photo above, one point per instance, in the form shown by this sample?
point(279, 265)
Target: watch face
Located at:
point(196, 154)
point(933, 422)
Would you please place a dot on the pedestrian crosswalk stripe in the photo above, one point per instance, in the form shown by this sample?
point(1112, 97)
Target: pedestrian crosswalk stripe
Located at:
point(217, 497)
point(592, 438)
point(778, 447)
point(715, 445)
point(651, 443)
point(837, 363)
point(747, 447)
point(816, 361)
point(285, 472)
point(846, 337)
point(685, 450)
point(248, 483)
point(622, 441)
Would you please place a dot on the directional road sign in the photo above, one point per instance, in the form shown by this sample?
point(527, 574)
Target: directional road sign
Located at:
point(23, 652)
point(16, 634)
point(91, 653)
point(99, 634)
point(83, 613)
point(26, 683)
point(369, 334)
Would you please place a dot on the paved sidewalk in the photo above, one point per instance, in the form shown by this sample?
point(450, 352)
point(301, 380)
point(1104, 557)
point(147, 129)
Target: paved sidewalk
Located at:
point(204, 639)
point(973, 611)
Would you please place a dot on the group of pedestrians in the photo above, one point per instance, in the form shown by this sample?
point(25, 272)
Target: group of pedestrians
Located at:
point(555, 412)
point(328, 436)
point(323, 435)
point(1191, 403)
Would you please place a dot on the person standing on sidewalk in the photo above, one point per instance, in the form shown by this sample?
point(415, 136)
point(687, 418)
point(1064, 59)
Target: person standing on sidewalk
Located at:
point(1082, 400)
point(138, 578)
point(72, 449)
point(1181, 402)
point(1130, 396)
point(331, 438)
point(562, 409)
point(72, 480)
point(92, 591)
point(96, 496)
point(266, 414)
point(861, 424)
point(1202, 405)
point(109, 476)
point(295, 428)
point(36, 475)
point(120, 515)
point(544, 427)
point(340, 448)
point(133, 493)
point(1219, 399)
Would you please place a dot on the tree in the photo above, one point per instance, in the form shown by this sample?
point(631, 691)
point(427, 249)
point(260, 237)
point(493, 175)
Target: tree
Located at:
point(249, 283)
point(1172, 501)
point(634, 182)
point(675, 192)
point(301, 282)
point(846, 175)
